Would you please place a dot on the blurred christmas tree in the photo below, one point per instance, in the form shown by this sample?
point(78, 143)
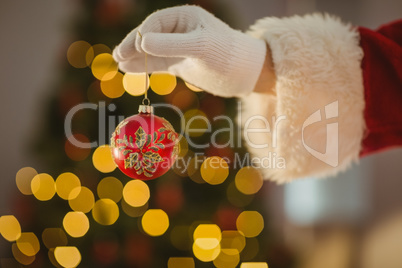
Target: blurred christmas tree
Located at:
point(193, 216)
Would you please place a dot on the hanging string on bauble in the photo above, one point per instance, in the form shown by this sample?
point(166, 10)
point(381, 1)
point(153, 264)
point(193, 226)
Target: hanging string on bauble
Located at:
point(144, 146)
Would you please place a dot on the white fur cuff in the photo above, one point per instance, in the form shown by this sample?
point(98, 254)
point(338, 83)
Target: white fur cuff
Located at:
point(314, 123)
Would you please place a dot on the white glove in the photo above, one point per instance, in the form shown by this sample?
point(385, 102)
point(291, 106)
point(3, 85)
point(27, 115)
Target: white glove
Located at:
point(196, 46)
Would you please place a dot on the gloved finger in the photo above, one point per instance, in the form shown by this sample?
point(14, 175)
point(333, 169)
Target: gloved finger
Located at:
point(126, 49)
point(180, 19)
point(174, 44)
point(154, 64)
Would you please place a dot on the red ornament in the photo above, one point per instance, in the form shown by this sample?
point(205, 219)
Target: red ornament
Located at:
point(144, 146)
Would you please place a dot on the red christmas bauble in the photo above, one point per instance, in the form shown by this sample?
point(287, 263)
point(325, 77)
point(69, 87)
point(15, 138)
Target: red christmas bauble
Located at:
point(144, 146)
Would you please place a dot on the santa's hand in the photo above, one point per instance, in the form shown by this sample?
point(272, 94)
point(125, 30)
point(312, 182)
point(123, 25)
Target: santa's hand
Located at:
point(196, 46)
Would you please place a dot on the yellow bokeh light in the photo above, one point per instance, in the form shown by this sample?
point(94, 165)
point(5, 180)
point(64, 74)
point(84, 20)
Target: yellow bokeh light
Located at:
point(254, 265)
point(250, 223)
point(43, 187)
point(104, 67)
point(155, 222)
point(76, 223)
point(52, 258)
point(65, 183)
point(105, 211)
point(207, 231)
point(28, 244)
point(207, 243)
point(181, 262)
point(84, 200)
point(214, 170)
point(248, 180)
point(10, 228)
point(207, 236)
point(228, 258)
point(21, 257)
point(24, 178)
point(76, 54)
point(136, 193)
point(233, 240)
point(134, 83)
point(206, 255)
point(54, 237)
point(197, 122)
point(94, 51)
point(162, 83)
point(68, 257)
point(111, 188)
point(113, 88)
point(193, 88)
point(102, 159)
point(133, 211)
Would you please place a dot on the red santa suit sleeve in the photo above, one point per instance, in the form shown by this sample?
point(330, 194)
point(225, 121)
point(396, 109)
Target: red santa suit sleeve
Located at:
point(337, 97)
point(382, 77)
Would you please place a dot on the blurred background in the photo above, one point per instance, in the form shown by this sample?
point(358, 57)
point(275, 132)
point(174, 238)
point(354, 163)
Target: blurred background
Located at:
point(353, 220)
